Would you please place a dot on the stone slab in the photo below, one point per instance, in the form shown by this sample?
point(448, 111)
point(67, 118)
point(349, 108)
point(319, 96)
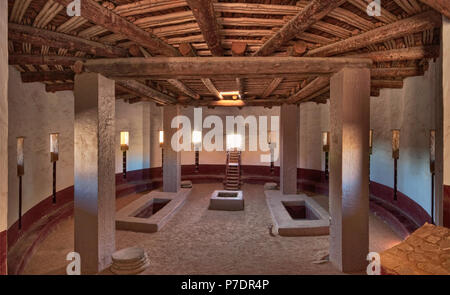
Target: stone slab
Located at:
point(125, 219)
point(226, 203)
point(286, 226)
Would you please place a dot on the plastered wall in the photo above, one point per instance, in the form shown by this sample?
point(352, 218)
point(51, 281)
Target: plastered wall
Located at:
point(35, 114)
point(3, 118)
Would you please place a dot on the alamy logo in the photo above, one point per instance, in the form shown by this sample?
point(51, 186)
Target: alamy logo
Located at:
point(74, 8)
point(258, 137)
point(74, 267)
point(374, 267)
point(374, 8)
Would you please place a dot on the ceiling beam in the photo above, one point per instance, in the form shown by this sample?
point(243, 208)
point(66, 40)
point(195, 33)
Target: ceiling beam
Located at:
point(29, 77)
point(271, 87)
point(396, 84)
point(40, 37)
point(396, 72)
point(238, 49)
point(187, 50)
point(205, 15)
point(310, 89)
point(440, 5)
point(175, 67)
point(410, 53)
point(240, 102)
point(50, 60)
point(183, 88)
point(313, 12)
point(418, 23)
point(106, 18)
point(142, 90)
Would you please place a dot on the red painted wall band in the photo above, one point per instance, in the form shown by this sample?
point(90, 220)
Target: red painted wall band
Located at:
point(446, 206)
point(3, 252)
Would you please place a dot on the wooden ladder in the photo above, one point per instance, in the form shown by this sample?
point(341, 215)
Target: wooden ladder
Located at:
point(233, 170)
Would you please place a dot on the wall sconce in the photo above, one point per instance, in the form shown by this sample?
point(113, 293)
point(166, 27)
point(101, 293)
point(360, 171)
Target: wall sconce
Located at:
point(161, 144)
point(432, 168)
point(370, 147)
point(395, 155)
point(326, 149)
point(20, 172)
point(54, 156)
point(197, 141)
point(124, 145)
point(271, 141)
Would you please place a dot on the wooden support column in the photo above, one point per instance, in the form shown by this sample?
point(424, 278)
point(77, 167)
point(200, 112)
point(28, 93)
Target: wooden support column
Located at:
point(172, 158)
point(94, 171)
point(443, 207)
point(289, 120)
point(349, 169)
point(3, 134)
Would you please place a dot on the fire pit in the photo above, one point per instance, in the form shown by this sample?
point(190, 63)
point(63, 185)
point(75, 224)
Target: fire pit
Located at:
point(227, 200)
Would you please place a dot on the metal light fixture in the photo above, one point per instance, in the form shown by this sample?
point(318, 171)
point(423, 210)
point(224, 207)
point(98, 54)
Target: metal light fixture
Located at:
point(20, 172)
point(124, 146)
point(197, 141)
point(395, 156)
point(54, 156)
point(271, 142)
point(326, 149)
point(432, 168)
point(370, 147)
point(161, 145)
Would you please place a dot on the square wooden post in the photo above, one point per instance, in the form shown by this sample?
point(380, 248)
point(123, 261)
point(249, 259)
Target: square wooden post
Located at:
point(349, 168)
point(94, 171)
point(289, 119)
point(3, 134)
point(172, 158)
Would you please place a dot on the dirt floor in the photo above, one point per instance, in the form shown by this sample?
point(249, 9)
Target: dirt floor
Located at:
point(199, 241)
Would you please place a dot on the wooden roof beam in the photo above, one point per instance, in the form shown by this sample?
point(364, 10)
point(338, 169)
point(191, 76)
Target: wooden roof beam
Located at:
point(106, 18)
point(440, 5)
point(50, 60)
point(142, 90)
point(313, 12)
point(310, 89)
point(418, 23)
point(41, 37)
point(410, 53)
point(205, 15)
point(238, 49)
point(271, 87)
point(176, 67)
point(29, 77)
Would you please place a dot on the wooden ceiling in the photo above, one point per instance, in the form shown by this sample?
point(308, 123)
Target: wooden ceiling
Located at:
point(45, 43)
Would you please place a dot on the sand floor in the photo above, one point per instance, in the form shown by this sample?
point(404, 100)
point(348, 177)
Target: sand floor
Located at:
point(199, 241)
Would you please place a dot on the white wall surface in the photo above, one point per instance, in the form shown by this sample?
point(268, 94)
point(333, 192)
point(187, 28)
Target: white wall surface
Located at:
point(35, 114)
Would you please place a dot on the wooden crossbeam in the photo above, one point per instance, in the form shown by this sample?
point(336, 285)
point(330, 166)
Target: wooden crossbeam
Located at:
point(142, 90)
point(41, 37)
point(410, 53)
point(24, 59)
point(28, 77)
point(177, 67)
point(106, 18)
point(313, 12)
point(310, 89)
point(204, 13)
point(387, 84)
point(271, 87)
point(184, 88)
point(396, 72)
point(443, 6)
point(418, 23)
point(239, 102)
